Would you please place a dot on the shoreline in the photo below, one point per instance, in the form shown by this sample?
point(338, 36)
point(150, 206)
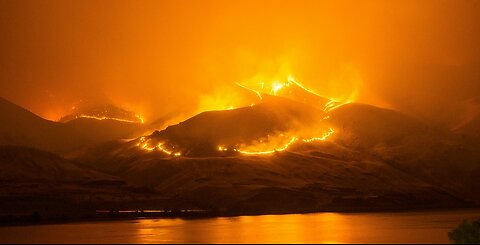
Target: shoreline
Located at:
point(209, 215)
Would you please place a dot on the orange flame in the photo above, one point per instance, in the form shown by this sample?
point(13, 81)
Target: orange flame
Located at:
point(140, 119)
point(276, 87)
point(144, 144)
point(292, 140)
point(323, 138)
point(283, 148)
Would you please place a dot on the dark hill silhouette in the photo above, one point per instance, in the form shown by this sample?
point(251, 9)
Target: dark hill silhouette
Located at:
point(101, 110)
point(20, 127)
point(471, 130)
point(436, 155)
point(21, 164)
point(50, 187)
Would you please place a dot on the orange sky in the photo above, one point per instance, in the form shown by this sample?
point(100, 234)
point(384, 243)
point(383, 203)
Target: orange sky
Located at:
point(421, 57)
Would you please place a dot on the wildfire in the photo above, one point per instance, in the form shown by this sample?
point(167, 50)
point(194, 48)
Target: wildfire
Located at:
point(252, 90)
point(292, 80)
point(145, 144)
point(332, 105)
point(293, 140)
point(272, 144)
point(101, 111)
point(140, 119)
point(323, 138)
point(276, 88)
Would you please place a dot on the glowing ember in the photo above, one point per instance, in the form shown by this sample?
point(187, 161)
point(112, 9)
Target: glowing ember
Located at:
point(92, 110)
point(276, 87)
point(323, 138)
point(145, 144)
point(282, 148)
point(252, 90)
point(140, 119)
point(292, 80)
point(293, 140)
point(221, 148)
point(332, 105)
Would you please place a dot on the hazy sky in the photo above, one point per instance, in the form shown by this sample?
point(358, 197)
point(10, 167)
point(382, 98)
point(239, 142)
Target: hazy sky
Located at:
point(421, 57)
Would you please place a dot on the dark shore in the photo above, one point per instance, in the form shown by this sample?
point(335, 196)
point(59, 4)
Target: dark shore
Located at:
point(26, 219)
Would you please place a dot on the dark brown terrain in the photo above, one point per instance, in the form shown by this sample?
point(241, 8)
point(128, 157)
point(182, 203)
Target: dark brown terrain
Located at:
point(377, 159)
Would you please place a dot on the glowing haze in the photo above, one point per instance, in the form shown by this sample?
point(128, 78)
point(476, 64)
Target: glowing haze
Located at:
point(156, 58)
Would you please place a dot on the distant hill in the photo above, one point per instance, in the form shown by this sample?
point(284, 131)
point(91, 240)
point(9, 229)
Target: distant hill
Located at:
point(440, 156)
point(42, 185)
point(471, 130)
point(20, 127)
point(20, 164)
point(85, 110)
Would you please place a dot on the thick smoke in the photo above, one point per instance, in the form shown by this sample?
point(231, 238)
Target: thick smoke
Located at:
point(159, 58)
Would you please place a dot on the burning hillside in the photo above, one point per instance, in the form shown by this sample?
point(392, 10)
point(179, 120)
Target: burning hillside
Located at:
point(315, 154)
point(102, 112)
point(238, 107)
point(300, 158)
point(287, 114)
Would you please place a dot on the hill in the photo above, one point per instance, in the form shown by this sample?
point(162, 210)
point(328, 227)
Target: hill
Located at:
point(377, 159)
point(20, 127)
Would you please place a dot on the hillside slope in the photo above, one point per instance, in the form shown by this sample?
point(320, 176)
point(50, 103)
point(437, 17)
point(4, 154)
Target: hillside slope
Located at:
point(20, 127)
point(377, 159)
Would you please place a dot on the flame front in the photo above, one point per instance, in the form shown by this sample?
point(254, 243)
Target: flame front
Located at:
point(323, 138)
point(145, 144)
point(282, 141)
point(292, 140)
point(275, 88)
point(140, 119)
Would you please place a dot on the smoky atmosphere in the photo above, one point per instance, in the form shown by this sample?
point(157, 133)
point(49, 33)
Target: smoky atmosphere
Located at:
point(240, 121)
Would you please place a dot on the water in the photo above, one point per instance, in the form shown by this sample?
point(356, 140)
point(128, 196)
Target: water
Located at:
point(407, 227)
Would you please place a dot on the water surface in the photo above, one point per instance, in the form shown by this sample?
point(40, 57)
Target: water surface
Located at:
point(405, 227)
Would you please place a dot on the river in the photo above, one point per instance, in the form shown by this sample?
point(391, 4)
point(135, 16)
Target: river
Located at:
point(396, 227)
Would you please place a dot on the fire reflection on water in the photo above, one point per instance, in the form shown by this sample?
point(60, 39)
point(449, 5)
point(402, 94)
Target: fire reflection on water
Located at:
point(398, 227)
point(324, 228)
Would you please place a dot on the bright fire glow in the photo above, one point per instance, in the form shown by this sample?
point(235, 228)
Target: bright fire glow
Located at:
point(145, 144)
point(275, 88)
point(282, 148)
point(293, 140)
point(292, 80)
point(332, 104)
point(252, 90)
point(268, 146)
point(140, 119)
point(323, 138)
